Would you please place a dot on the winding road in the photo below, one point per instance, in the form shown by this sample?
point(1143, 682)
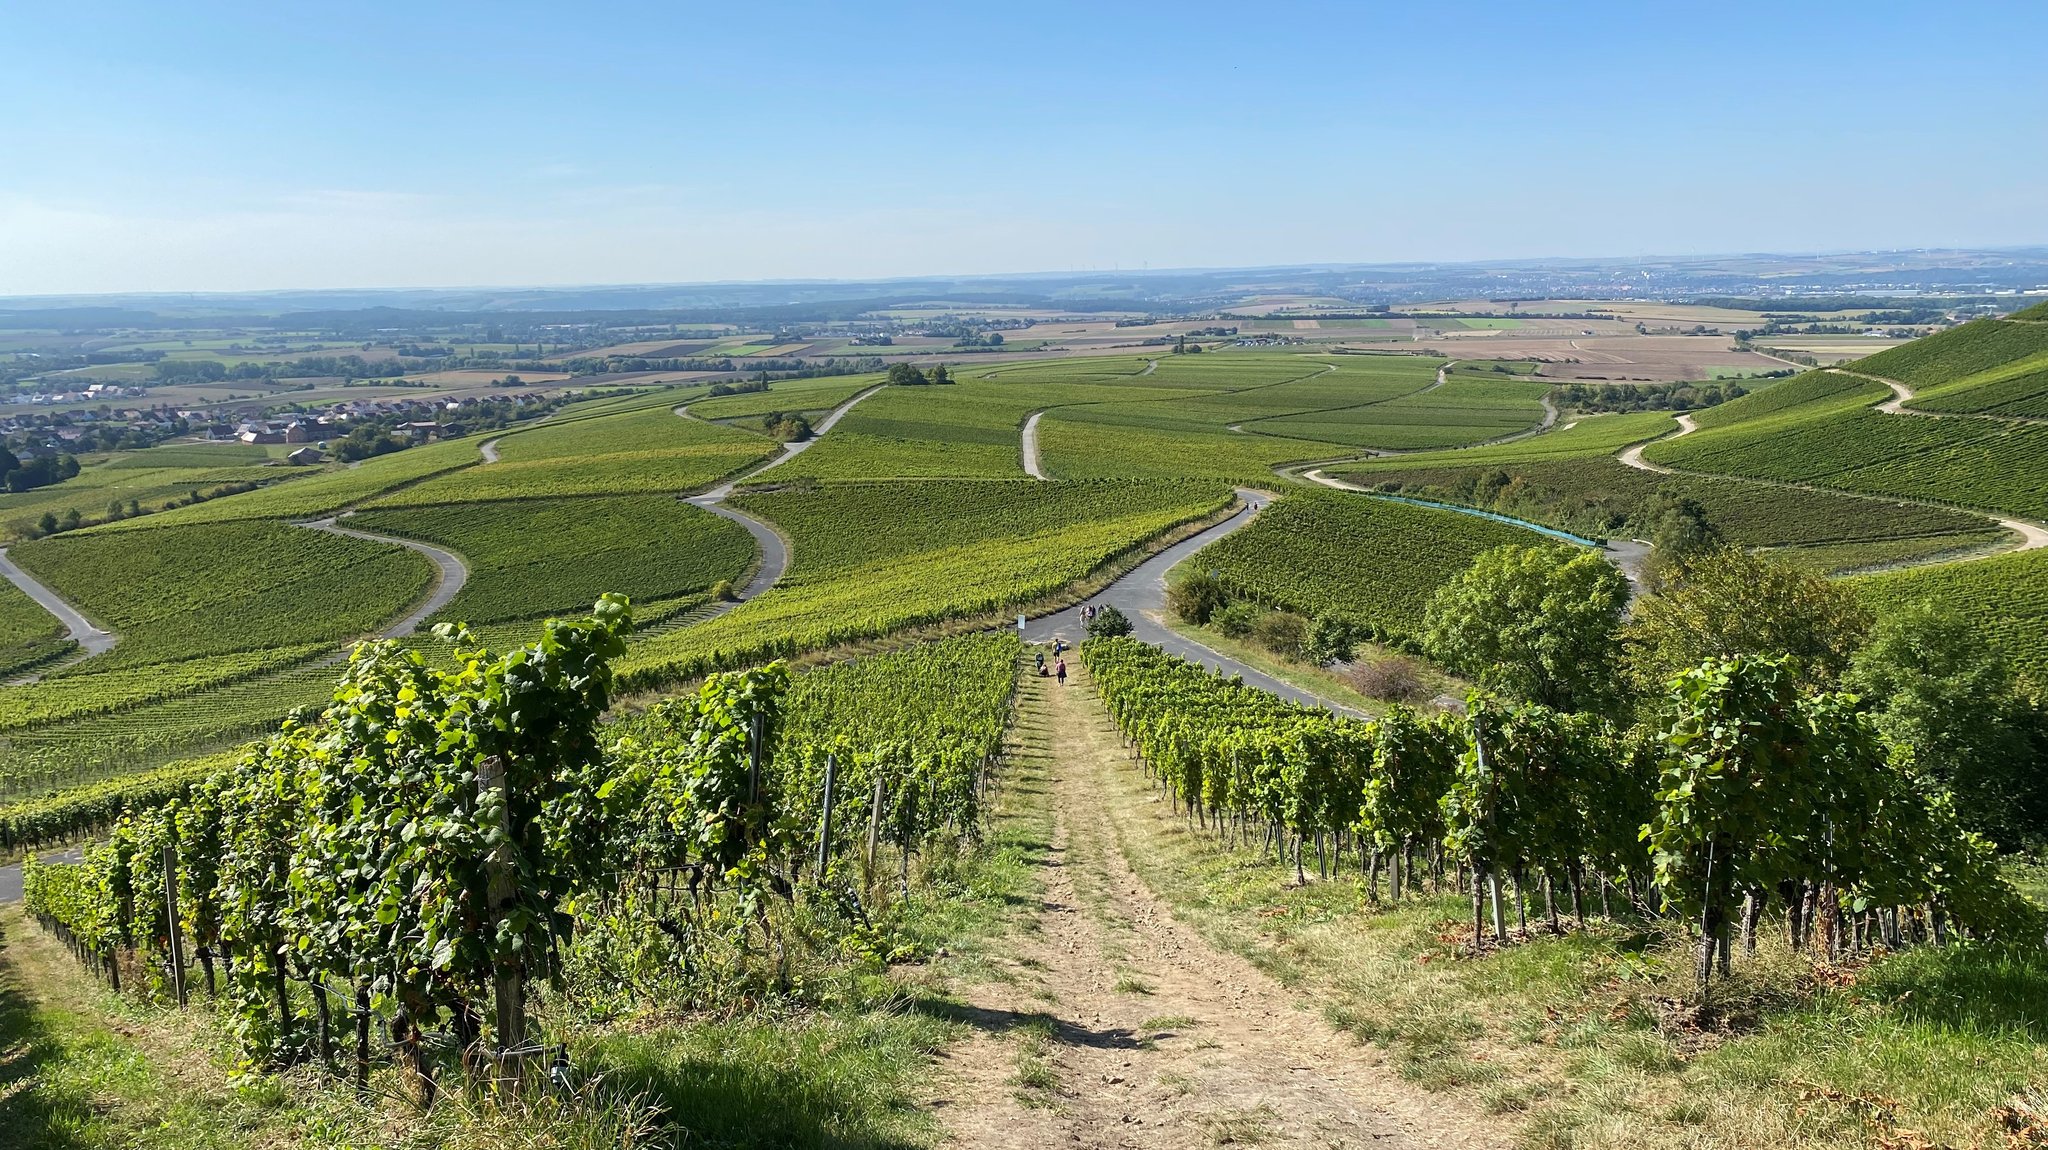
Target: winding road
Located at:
point(774, 548)
point(1141, 595)
point(450, 572)
point(2033, 536)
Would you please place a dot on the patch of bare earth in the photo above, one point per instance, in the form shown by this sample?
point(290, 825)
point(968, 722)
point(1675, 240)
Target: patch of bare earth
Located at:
point(1119, 1026)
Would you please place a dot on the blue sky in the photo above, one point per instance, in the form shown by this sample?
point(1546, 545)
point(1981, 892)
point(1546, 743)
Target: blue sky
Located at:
point(231, 146)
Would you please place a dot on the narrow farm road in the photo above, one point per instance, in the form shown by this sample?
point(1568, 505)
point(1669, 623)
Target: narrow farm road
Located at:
point(1141, 595)
point(1633, 456)
point(774, 548)
point(90, 639)
point(1112, 1024)
point(1031, 466)
point(489, 449)
point(450, 573)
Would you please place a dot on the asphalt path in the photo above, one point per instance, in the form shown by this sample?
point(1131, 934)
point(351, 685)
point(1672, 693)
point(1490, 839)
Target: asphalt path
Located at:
point(10, 875)
point(450, 573)
point(1141, 595)
point(90, 639)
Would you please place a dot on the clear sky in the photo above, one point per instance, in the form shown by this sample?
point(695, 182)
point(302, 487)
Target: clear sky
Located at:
point(230, 146)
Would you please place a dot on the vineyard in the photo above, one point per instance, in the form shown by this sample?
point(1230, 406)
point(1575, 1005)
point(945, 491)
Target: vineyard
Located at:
point(534, 557)
point(1371, 562)
point(871, 559)
point(1957, 353)
point(1600, 496)
point(2019, 389)
point(2005, 599)
point(410, 861)
point(178, 593)
point(29, 636)
point(1735, 794)
point(1462, 411)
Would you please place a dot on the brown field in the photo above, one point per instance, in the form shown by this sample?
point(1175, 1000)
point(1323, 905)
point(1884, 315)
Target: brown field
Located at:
point(1617, 358)
point(1830, 349)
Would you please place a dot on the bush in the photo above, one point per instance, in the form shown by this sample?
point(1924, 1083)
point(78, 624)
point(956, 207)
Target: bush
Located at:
point(1284, 633)
point(722, 592)
point(1197, 598)
point(1391, 678)
point(1109, 623)
point(1330, 641)
point(1236, 620)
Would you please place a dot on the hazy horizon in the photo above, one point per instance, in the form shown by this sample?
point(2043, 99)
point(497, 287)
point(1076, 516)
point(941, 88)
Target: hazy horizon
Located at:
point(238, 149)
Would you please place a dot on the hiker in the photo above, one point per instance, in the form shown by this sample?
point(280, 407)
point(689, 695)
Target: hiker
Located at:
point(1040, 656)
point(1060, 672)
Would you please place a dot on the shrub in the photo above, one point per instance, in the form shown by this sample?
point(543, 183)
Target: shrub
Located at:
point(722, 591)
point(1197, 598)
point(1330, 641)
point(1391, 678)
point(1236, 620)
point(1283, 632)
point(1109, 623)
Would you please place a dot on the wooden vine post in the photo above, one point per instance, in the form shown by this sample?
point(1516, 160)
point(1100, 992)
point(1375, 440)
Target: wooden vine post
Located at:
point(171, 916)
point(825, 820)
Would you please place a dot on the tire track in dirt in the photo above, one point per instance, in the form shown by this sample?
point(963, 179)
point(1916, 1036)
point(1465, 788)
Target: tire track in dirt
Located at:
point(1119, 1026)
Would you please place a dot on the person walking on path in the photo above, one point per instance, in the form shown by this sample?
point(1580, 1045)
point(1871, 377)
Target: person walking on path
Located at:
point(1059, 672)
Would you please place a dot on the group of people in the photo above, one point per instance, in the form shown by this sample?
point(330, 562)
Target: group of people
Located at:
point(1059, 670)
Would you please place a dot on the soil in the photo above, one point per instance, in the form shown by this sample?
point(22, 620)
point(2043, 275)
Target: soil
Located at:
point(1119, 1026)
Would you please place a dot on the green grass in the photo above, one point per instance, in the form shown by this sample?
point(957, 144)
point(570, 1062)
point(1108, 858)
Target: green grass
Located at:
point(529, 558)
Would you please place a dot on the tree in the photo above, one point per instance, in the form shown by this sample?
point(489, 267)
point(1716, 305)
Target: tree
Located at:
point(1109, 623)
point(1539, 623)
point(940, 375)
point(1728, 602)
point(1678, 530)
point(905, 375)
point(1197, 598)
point(1938, 690)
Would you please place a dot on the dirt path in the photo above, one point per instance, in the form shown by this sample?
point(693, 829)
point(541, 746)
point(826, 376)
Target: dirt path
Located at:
point(1118, 1026)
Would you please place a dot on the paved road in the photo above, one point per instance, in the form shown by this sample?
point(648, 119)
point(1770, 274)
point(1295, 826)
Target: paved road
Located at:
point(450, 573)
point(10, 875)
point(774, 548)
point(1031, 466)
point(1141, 595)
point(1633, 456)
point(90, 639)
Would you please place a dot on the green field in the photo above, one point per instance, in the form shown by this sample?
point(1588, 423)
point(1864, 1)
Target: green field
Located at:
point(177, 593)
point(531, 558)
point(875, 558)
point(1367, 560)
point(29, 635)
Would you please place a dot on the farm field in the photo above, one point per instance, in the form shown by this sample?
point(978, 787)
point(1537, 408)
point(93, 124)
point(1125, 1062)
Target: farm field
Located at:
point(29, 635)
point(1370, 561)
point(872, 558)
point(537, 557)
point(185, 592)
